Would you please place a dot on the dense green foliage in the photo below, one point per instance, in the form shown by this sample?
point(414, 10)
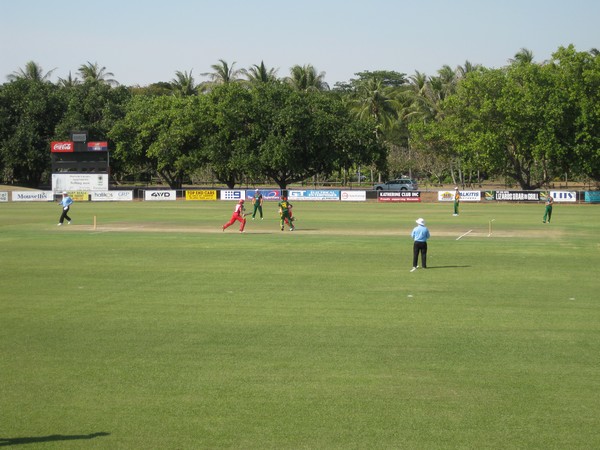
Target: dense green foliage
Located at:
point(29, 114)
point(528, 122)
point(267, 130)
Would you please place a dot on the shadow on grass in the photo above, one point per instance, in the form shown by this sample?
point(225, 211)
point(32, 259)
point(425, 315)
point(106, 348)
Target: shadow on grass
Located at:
point(445, 267)
point(5, 442)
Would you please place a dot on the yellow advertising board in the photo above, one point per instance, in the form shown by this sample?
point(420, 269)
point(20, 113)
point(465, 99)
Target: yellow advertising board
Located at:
point(79, 196)
point(201, 195)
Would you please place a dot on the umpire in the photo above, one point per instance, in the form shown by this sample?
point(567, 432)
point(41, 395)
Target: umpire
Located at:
point(65, 203)
point(420, 234)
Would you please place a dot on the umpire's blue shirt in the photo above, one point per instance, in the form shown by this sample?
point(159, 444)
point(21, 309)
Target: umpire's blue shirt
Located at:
point(420, 233)
point(66, 201)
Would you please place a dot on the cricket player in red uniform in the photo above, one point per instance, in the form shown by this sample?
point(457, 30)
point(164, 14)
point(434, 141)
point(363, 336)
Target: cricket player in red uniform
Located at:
point(238, 214)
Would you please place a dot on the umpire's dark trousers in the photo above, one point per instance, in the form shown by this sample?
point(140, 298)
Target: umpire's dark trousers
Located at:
point(420, 247)
point(64, 215)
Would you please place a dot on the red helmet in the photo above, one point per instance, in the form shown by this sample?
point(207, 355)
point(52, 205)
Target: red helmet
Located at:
point(241, 201)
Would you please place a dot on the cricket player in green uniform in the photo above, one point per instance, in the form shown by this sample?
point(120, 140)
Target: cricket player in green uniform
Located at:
point(548, 210)
point(257, 202)
point(284, 212)
point(456, 201)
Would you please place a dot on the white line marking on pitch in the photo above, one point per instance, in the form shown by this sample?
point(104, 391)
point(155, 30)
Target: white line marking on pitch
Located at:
point(463, 235)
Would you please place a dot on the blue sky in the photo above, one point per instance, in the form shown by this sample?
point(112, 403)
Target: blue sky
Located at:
point(143, 42)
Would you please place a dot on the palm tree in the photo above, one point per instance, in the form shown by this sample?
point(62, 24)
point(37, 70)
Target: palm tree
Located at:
point(445, 82)
point(93, 73)
point(32, 71)
point(223, 73)
point(306, 78)
point(523, 56)
point(374, 100)
point(260, 74)
point(421, 98)
point(424, 94)
point(183, 84)
point(462, 71)
point(69, 81)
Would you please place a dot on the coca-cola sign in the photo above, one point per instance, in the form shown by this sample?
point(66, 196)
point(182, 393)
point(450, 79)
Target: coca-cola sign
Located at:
point(62, 147)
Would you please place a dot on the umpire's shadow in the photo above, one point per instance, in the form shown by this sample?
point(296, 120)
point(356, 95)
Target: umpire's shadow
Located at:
point(5, 442)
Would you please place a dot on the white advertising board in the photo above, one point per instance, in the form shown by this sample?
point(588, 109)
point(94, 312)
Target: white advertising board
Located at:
point(465, 196)
point(79, 182)
point(564, 196)
point(32, 196)
point(233, 194)
point(160, 195)
point(314, 194)
point(353, 196)
point(3, 196)
point(111, 196)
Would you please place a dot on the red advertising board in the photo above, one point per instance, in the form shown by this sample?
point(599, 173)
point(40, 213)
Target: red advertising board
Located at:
point(97, 146)
point(62, 147)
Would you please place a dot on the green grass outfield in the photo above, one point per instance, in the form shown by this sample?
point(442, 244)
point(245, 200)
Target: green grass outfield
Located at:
point(157, 330)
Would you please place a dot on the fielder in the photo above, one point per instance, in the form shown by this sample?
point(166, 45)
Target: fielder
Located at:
point(257, 202)
point(456, 201)
point(548, 210)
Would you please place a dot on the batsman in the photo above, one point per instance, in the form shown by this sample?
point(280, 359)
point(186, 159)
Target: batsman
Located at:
point(284, 213)
point(239, 214)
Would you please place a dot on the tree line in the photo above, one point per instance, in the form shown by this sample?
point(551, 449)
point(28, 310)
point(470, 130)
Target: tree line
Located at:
point(528, 123)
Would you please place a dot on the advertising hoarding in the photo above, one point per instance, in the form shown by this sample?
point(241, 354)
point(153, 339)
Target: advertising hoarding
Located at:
point(32, 196)
point(562, 196)
point(97, 146)
point(313, 194)
point(233, 194)
point(62, 147)
point(79, 182)
point(202, 195)
point(465, 196)
point(268, 194)
point(513, 196)
point(111, 196)
point(400, 196)
point(353, 196)
point(162, 195)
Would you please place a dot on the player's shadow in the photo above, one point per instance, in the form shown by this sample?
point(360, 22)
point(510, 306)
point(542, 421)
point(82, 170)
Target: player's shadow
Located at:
point(5, 442)
point(445, 267)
